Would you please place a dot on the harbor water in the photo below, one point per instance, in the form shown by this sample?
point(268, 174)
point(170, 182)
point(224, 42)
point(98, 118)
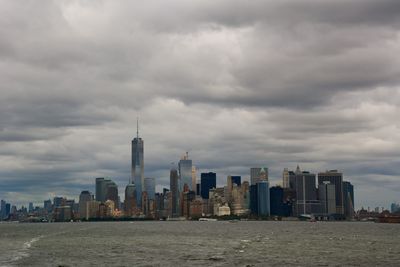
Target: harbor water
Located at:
point(190, 243)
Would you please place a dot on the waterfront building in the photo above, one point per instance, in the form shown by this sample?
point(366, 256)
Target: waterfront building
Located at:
point(62, 214)
point(253, 200)
point(3, 209)
point(277, 205)
point(327, 197)
point(101, 188)
point(196, 207)
point(92, 209)
point(174, 187)
point(208, 181)
point(137, 170)
point(257, 174)
point(348, 199)
point(150, 187)
point(222, 210)
point(263, 200)
point(185, 172)
point(84, 197)
point(130, 200)
point(336, 178)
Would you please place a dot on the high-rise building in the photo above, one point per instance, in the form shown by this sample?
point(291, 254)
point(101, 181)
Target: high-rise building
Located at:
point(194, 179)
point(150, 187)
point(112, 193)
point(306, 193)
point(208, 181)
point(257, 174)
point(348, 199)
point(47, 205)
point(137, 171)
point(285, 178)
point(263, 199)
point(336, 178)
point(327, 197)
point(84, 197)
point(185, 172)
point(130, 199)
point(2, 209)
point(101, 189)
point(253, 199)
point(8, 210)
point(236, 179)
point(174, 187)
point(30, 207)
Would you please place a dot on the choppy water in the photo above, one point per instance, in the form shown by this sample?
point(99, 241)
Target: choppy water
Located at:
point(200, 243)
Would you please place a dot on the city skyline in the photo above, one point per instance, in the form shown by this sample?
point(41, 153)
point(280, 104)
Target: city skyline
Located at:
point(237, 85)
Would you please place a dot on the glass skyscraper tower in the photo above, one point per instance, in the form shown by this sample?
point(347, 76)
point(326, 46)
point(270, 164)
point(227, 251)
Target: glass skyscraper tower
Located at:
point(137, 172)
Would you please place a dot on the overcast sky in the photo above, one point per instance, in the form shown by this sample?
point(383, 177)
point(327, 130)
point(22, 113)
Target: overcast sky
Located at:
point(236, 83)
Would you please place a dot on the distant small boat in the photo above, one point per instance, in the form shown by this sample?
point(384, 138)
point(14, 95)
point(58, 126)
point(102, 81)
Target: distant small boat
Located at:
point(233, 221)
point(207, 220)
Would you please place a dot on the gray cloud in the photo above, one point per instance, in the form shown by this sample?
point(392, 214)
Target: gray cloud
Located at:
point(237, 84)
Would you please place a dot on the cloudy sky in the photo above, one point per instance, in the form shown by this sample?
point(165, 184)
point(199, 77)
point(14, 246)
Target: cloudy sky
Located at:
point(236, 83)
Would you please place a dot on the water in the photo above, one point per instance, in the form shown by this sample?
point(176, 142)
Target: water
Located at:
point(200, 243)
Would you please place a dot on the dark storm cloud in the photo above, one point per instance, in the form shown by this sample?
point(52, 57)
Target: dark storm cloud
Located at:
point(237, 84)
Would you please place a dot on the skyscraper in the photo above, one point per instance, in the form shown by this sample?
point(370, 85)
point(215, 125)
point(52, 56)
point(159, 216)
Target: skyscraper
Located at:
point(84, 198)
point(348, 199)
point(174, 187)
point(208, 181)
point(285, 178)
point(257, 174)
point(150, 187)
point(130, 199)
point(137, 171)
point(336, 178)
point(306, 193)
point(185, 172)
point(326, 195)
point(263, 198)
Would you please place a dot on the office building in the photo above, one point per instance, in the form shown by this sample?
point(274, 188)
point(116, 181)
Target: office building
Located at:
point(84, 197)
point(336, 178)
point(348, 199)
point(306, 193)
point(257, 174)
point(285, 179)
point(112, 193)
point(174, 187)
point(263, 200)
point(185, 173)
point(207, 182)
point(130, 199)
point(150, 187)
point(137, 170)
point(327, 198)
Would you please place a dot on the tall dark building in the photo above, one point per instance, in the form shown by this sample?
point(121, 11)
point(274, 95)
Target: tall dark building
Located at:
point(236, 180)
point(253, 199)
point(198, 190)
point(137, 171)
point(174, 188)
point(208, 181)
point(306, 193)
point(112, 193)
point(348, 199)
point(84, 197)
point(276, 201)
point(336, 178)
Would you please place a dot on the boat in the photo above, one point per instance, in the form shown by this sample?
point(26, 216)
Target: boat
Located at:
point(207, 220)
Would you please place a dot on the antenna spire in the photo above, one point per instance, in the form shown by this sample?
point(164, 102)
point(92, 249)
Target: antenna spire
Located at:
point(137, 127)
